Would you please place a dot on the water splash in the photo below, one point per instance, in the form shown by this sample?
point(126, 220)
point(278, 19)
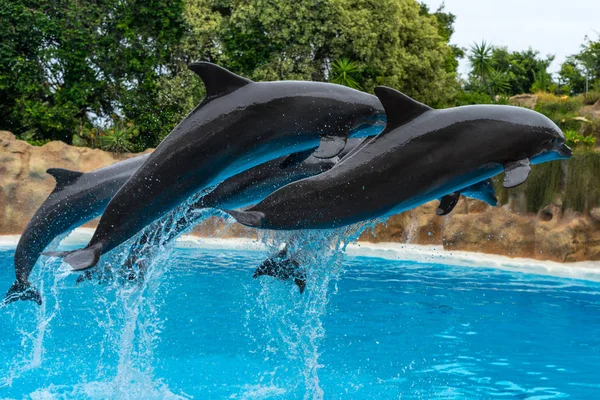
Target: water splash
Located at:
point(34, 330)
point(292, 322)
point(132, 276)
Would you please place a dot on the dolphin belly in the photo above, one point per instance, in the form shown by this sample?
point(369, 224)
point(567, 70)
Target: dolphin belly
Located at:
point(454, 185)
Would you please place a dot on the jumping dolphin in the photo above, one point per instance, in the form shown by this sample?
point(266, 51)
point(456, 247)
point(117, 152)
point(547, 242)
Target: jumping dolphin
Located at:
point(422, 154)
point(77, 198)
point(246, 188)
point(240, 124)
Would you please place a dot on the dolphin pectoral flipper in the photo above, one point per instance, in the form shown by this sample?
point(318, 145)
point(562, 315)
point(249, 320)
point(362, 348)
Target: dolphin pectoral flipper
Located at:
point(483, 191)
point(248, 218)
point(330, 146)
point(296, 158)
point(515, 173)
point(79, 259)
point(447, 203)
point(22, 291)
point(301, 283)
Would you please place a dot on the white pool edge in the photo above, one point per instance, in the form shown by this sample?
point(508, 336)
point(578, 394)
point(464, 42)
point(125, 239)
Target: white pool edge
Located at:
point(587, 270)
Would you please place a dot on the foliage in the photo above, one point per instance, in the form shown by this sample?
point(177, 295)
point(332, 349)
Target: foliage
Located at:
point(480, 58)
point(573, 182)
point(445, 25)
point(521, 69)
point(343, 72)
point(67, 67)
point(498, 82)
point(571, 77)
point(563, 110)
point(541, 82)
point(469, 97)
point(574, 140)
point(119, 137)
point(64, 64)
point(34, 142)
point(581, 71)
point(543, 185)
point(117, 140)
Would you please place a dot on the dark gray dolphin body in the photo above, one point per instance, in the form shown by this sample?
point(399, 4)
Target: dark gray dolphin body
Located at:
point(239, 125)
point(77, 198)
point(423, 154)
point(253, 185)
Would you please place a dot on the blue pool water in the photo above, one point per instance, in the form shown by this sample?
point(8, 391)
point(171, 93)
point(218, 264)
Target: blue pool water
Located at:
point(202, 328)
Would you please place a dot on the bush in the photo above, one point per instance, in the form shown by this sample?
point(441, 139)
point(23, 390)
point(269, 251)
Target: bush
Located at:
point(575, 140)
point(591, 98)
point(468, 97)
point(562, 110)
point(118, 138)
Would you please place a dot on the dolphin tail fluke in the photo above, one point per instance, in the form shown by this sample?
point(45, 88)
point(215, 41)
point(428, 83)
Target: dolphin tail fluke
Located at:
point(252, 219)
point(301, 283)
point(81, 259)
point(22, 291)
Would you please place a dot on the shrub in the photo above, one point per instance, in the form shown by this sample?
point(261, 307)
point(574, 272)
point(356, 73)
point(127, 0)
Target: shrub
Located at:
point(591, 98)
point(118, 138)
point(574, 140)
point(562, 110)
point(468, 97)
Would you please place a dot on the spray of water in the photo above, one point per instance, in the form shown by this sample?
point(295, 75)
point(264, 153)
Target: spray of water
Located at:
point(292, 322)
point(34, 330)
point(132, 276)
point(128, 304)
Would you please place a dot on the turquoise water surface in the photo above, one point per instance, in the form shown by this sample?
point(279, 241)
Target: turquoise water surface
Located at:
point(201, 327)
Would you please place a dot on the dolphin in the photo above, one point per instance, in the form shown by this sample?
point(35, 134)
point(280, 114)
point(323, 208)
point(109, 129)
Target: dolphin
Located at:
point(77, 198)
point(240, 124)
point(422, 154)
point(246, 188)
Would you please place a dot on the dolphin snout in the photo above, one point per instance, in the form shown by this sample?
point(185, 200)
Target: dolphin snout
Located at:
point(564, 150)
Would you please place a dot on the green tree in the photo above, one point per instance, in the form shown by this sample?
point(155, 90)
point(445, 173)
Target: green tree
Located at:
point(70, 68)
point(520, 67)
point(581, 71)
point(66, 64)
point(571, 77)
point(589, 59)
point(445, 25)
point(390, 42)
point(395, 45)
point(480, 59)
point(343, 72)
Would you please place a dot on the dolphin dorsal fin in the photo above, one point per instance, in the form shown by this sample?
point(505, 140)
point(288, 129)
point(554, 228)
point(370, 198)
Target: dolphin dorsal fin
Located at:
point(63, 177)
point(217, 80)
point(398, 107)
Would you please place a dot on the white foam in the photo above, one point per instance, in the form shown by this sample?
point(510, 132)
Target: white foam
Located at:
point(588, 270)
